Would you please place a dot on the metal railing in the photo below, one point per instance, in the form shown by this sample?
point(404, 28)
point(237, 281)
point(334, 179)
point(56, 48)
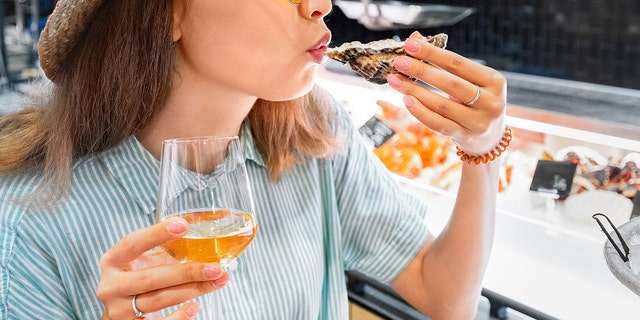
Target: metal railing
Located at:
point(382, 301)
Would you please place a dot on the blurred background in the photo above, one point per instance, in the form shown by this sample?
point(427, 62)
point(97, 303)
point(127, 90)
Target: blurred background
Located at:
point(596, 41)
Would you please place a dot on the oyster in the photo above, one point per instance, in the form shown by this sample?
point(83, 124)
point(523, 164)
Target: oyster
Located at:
point(374, 60)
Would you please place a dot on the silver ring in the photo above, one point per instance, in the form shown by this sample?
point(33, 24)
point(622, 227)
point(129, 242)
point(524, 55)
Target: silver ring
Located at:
point(139, 314)
point(476, 98)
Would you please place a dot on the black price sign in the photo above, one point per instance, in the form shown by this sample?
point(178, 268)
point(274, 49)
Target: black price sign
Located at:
point(553, 177)
point(635, 213)
point(376, 131)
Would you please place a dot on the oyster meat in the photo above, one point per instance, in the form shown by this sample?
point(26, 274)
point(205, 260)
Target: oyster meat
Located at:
point(374, 60)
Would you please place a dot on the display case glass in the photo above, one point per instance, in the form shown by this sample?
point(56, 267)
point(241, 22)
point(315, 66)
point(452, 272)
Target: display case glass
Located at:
point(548, 252)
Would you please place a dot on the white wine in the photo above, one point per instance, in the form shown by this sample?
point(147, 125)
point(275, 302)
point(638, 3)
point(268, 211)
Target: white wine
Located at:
point(214, 236)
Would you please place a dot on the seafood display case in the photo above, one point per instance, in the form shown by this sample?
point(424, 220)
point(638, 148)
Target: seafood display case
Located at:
point(393, 14)
point(548, 260)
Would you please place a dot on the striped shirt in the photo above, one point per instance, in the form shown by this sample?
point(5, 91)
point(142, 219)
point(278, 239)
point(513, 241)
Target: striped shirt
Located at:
point(324, 217)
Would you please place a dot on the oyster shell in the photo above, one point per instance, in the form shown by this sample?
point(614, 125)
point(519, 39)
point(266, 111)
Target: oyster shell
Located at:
point(374, 60)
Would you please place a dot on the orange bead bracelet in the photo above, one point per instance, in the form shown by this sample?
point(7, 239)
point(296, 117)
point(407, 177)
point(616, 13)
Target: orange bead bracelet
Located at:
point(491, 155)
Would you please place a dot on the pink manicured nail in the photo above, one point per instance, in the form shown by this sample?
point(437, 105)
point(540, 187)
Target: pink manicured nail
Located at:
point(408, 101)
point(193, 310)
point(177, 225)
point(211, 271)
point(412, 45)
point(401, 63)
point(221, 281)
point(394, 80)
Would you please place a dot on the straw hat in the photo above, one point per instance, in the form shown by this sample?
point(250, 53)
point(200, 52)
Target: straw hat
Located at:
point(62, 32)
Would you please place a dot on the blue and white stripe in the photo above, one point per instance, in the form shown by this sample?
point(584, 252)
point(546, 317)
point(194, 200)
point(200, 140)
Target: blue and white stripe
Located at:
point(324, 217)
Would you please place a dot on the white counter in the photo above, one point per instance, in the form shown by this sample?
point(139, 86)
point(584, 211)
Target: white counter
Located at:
point(553, 270)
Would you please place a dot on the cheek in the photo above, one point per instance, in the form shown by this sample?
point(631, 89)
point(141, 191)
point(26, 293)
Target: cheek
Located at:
point(267, 70)
point(274, 80)
point(261, 61)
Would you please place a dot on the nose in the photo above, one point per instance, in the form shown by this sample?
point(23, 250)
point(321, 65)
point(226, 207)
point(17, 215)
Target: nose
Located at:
point(315, 9)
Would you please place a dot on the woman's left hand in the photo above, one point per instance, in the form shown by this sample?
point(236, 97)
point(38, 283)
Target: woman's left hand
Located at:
point(472, 109)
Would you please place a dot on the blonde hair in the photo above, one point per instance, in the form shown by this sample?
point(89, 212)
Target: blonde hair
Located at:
point(115, 81)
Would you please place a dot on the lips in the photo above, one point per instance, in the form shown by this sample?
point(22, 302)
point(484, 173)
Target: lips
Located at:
point(319, 50)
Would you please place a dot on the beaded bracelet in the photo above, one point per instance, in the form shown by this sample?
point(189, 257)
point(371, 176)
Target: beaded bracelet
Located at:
point(491, 155)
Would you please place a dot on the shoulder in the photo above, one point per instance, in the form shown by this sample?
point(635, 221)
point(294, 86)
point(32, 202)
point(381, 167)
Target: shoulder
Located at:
point(19, 189)
point(14, 188)
point(116, 172)
point(13, 191)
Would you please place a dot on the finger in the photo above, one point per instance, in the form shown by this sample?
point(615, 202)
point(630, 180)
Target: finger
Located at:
point(416, 35)
point(490, 103)
point(169, 275)
point(469, 70)
point(188, 311)
point(161, 299)
point(433, 120)
point(151, 297)
point(154, 257)
point(138, 242)
point(435, 102)
point(459, 89)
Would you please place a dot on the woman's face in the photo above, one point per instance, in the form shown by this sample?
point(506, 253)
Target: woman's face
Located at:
point(269, 49)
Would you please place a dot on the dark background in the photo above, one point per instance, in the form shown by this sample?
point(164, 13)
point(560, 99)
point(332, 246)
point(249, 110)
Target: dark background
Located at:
point(595, 41)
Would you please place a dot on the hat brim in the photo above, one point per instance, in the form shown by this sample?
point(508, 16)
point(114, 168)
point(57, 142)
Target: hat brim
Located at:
point(64, 27)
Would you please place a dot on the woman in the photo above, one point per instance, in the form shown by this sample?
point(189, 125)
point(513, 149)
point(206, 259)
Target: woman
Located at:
point(79, 170)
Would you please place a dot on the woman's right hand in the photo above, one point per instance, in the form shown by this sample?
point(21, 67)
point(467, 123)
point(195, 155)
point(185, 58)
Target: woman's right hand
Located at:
point(158, 286)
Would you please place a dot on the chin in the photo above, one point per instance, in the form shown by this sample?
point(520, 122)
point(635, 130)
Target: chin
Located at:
point(293, 89)
point(286, 97)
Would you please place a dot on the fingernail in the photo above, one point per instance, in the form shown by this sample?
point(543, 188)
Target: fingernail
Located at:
point(212, 271)
point(177, 225)
point(408, 101)
point(401, 63)
point(193, 310)
point(412, 45)
point(394, 80)
point(222, 280)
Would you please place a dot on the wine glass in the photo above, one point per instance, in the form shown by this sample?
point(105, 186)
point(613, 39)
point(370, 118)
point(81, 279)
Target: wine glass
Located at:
point(204, 180)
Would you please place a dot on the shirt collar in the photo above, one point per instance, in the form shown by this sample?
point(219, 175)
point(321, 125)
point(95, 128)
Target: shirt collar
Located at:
point(137, 171)
point(251, 151)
